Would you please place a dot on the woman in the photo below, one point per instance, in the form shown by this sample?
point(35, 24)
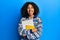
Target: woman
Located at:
point(30, 11)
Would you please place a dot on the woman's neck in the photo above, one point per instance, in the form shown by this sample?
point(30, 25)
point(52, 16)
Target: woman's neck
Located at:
point(31, 17)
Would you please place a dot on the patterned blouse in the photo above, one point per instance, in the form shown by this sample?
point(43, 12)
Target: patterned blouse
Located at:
point(31, 35)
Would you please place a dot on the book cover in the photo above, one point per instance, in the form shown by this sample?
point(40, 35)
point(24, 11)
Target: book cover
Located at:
point(28, 24)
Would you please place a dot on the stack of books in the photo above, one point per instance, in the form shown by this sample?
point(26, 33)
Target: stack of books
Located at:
point(28, 24)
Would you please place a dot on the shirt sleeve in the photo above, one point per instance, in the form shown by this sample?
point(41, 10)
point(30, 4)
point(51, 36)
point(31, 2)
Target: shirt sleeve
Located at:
point(39, 26)
point(21, 31)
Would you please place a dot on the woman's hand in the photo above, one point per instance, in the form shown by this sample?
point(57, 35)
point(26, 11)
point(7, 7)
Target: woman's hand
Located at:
point(34, 30)
point(24, 35)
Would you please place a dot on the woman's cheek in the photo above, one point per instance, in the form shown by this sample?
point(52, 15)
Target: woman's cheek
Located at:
point(33, 10)
point(28, 10)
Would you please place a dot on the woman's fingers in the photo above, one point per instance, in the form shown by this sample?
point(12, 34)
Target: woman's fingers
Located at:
point(34, 30)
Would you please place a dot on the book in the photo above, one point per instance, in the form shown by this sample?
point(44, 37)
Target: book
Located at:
point(28, 24)
point(29, 27)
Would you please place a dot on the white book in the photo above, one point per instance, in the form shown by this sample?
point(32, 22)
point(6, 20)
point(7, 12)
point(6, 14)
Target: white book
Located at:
point(27, 22)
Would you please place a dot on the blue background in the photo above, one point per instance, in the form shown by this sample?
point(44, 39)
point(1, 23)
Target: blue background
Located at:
point(10, 16)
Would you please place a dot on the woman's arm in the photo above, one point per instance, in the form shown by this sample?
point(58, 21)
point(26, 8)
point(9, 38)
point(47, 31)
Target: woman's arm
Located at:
point(21, 31)
point(39, 26)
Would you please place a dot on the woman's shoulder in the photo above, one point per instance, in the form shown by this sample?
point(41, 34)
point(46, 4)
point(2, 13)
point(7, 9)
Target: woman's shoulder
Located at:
point(38, 18)
point(23, 18)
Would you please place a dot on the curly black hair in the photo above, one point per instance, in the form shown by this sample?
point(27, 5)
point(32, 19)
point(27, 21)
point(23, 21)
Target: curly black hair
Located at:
point(24, 9)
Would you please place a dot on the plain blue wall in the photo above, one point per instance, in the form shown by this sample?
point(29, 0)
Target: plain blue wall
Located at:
point(10, 16)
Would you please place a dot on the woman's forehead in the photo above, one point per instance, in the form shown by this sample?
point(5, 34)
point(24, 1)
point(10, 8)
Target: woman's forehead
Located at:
point(30, 5)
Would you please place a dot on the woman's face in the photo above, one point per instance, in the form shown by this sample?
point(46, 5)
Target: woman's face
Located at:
point(30, 10)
